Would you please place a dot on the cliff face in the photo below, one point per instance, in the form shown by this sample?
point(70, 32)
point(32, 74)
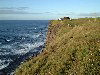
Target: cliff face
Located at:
point(72, 48)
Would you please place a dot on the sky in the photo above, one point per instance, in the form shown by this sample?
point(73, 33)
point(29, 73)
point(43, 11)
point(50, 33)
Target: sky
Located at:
point(48, 9)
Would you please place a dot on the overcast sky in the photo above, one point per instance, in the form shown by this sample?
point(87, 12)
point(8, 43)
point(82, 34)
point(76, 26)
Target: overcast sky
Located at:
point(48, 9)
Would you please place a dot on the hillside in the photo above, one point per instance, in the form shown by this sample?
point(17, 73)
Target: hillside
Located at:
point(72, 48)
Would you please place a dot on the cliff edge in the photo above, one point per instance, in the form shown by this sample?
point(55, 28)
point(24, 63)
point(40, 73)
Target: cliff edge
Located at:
point(72, 48)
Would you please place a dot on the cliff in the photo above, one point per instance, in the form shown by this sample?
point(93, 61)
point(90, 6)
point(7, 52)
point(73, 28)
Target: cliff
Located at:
point(72, 48)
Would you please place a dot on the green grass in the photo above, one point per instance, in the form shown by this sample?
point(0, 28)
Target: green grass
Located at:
point(72, 48)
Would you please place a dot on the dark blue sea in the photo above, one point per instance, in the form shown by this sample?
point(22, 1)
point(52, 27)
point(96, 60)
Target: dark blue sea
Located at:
point(19, 40)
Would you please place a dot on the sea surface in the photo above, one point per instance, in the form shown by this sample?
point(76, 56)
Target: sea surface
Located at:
point(19, 40)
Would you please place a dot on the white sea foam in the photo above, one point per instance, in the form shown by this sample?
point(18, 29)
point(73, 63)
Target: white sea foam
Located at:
point(8, 40)
point(6, 46)
point(27, 48)
point(3, 64)
point(4, 53)
point(33, 36)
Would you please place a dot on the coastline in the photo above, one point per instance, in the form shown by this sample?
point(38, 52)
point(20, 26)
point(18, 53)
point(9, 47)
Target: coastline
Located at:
point(72, 47)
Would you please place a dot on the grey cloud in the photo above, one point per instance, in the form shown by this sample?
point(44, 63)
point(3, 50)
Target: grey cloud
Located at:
point(47, 12)
point(12, 12)
point(90, 14)
point(36, 13)
point(14, 8)
point(22, 8)
point(16, 12)
point(19, 10)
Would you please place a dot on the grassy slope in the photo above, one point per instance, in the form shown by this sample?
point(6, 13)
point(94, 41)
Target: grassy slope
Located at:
point(72, 48)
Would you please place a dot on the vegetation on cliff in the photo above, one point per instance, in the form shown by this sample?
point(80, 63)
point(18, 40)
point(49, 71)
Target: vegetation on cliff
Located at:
point(72, 48)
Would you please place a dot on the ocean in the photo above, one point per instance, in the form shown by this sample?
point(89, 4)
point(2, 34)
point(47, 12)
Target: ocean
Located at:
point(19, 40)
